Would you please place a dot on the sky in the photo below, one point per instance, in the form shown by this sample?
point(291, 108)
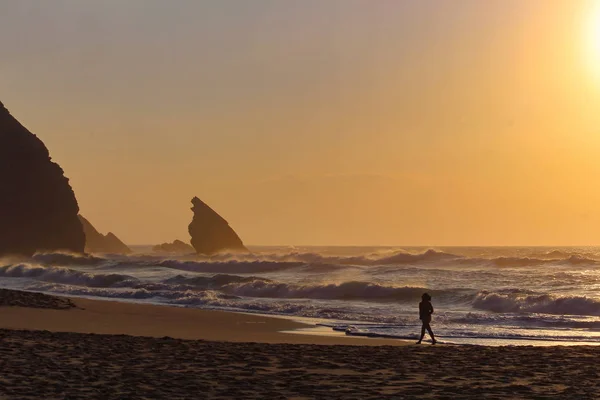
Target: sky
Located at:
point(338, 122)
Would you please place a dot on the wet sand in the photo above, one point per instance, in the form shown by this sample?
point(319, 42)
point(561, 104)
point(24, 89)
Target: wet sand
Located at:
point(35, 311)
point(45, 364)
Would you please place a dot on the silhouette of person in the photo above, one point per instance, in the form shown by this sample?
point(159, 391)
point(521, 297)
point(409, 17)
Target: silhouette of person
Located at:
point(425, 311)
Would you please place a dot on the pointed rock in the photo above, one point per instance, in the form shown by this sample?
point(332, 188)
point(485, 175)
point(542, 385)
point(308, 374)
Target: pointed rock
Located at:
point(38, 209)
point(210, 232)
point(95, 242)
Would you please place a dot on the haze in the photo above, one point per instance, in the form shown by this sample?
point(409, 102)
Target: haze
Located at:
point(333, 122)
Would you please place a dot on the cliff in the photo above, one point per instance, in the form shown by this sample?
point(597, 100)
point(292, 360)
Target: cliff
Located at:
point(38, 209)
point(210, 232)
point(95, 242)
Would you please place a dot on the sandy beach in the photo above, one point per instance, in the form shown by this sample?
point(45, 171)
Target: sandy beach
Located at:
point(77, 348)
point(34, 311)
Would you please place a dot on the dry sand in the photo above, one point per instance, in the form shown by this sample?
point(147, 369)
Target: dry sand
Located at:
point(44, 364)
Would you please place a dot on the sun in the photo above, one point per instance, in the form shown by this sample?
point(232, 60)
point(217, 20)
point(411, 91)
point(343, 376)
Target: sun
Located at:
point(594, 29)
point(592, 36)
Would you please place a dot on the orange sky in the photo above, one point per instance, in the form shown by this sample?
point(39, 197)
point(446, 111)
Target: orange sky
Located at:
point(448, 122)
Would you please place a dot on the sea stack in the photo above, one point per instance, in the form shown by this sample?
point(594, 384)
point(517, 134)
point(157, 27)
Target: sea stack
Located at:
point(38, 209)
point(95, 242)
point(210, 232)
point(176, 247)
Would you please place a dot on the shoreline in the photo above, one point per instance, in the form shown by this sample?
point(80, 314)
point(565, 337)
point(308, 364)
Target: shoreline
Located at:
point(153, 320)
point(126, 317)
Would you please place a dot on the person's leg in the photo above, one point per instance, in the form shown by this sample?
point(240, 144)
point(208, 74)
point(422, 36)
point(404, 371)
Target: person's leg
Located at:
point(431, 334)
point(422, 333)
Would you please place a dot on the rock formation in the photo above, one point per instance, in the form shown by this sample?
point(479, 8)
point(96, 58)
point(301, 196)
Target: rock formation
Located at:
point(38, 209)
point(176, 247)
point(95, 242)
point(210, 232)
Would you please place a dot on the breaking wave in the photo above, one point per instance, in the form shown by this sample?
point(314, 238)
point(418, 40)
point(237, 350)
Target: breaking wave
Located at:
point(527, 261)
point(527, 320)
point(311, 262)
point(246, 286)
point(67, 259)
point(295, 259)
point(342, 291)
point(238, 267)
point(216, 300)
point(351, 290)
point(407, 258)
point(65, 275)
point(536, 303)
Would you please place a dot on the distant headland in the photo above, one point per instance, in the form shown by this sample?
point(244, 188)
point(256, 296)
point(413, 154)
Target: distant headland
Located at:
point(39, 210)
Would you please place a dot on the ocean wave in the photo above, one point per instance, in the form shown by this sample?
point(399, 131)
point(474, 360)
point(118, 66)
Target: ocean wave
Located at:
point(577, 259)
point(527, 320)
point(254, 286)
point(212, 299)
point(247, 286)
point(293, 256)
point(213, 282)
point(229, 266)
point(315, 262)
point(67, 259)
point(65, 275)
point(401, 257)
point(516, 262)
point(127, 293)
point(572, 260)
point(396, 257)
point(316, 258)
point(260, 287)
point(562, 255)
point(311, 262)
point(536, 303)
point(408, 258)
point(308, 262)
point(352, 290)
point(318, 263)
point(326, 268)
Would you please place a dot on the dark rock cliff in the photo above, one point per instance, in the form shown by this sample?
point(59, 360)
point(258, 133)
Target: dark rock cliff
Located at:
point(95, 242)
point(38, 209)
point(210, 232)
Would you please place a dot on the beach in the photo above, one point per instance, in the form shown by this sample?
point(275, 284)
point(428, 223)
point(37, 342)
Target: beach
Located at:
point(261, 199)
point(483, 296)
point(78, 348)
point(36, 311)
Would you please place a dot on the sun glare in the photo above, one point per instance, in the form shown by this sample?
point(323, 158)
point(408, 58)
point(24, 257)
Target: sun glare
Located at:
point(592, 34)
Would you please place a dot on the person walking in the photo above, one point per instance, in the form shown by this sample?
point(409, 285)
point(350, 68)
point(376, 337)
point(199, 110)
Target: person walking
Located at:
point(425, 311)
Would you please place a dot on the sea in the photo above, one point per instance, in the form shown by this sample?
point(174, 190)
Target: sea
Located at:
point(481, 295)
